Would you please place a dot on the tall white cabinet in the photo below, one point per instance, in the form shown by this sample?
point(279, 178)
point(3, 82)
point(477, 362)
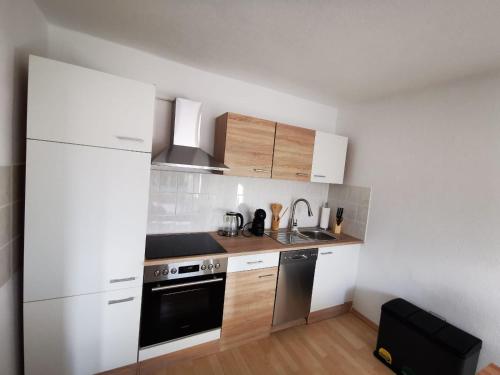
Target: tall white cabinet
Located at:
point(87, 178)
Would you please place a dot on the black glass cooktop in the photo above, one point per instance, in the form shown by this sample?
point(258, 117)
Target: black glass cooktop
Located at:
point(180, 245)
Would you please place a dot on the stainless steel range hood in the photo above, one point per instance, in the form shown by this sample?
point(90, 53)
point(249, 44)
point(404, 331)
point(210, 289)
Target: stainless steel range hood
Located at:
point(185, 154)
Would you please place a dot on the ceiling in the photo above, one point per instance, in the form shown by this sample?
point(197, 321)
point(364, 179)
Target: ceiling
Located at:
point(324, 50)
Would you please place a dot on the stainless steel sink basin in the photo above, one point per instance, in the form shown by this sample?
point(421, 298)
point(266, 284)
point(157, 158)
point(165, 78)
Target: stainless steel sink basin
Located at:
point(317, 235)
point(304, 235)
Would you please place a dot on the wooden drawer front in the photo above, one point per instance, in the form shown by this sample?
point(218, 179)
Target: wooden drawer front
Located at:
point(248, 148)
point(253, 262)
point(293, 153)
point(248, 306)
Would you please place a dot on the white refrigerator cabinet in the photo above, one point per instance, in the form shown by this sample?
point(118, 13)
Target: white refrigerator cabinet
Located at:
point(68, 103)
point(86, 217)
point(82, 335)
point(335, 276)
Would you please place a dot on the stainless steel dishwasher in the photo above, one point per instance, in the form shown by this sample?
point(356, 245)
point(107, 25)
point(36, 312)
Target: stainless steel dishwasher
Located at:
point(295, 282)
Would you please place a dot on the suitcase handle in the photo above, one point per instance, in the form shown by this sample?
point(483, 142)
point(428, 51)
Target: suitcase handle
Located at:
point(437, 315)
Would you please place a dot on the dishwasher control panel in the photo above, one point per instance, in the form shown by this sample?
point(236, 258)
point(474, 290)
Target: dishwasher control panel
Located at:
point(299, 255)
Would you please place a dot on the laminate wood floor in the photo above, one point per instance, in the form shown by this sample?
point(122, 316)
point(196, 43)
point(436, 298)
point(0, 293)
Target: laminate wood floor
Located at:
point(341, 345)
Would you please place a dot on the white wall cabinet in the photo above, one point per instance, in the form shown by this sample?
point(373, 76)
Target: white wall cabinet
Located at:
point(82, 335)
point(86, 217)
point(329, 158)
point(335, 276)
point(68, 103)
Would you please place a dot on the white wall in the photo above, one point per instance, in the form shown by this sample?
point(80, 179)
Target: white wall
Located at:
point(177, 211)
point(193, 202)
point(433, 162)
point(22, 31)
point(218, 94)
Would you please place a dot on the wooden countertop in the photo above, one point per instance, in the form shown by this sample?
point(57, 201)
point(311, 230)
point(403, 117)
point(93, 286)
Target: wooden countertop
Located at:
point(241, 245)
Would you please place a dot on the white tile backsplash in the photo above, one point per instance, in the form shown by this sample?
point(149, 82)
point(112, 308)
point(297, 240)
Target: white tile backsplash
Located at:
point(356, 203)
point(190, 202)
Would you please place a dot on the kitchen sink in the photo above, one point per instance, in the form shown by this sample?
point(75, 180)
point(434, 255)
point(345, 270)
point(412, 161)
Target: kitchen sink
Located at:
point(317, 235)
point(304, 235)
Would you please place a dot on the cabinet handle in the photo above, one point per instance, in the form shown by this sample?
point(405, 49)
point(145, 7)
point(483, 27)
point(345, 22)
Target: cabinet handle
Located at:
point(115, 301)
point(259, 170)
point(256, 262)
point(319, 176)
point(302, 174)
point(326, 253)
point(261, 276)
point(125, 138)
point(112, 281)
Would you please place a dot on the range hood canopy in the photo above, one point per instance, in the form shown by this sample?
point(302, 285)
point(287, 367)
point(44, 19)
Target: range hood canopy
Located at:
point(185, 154)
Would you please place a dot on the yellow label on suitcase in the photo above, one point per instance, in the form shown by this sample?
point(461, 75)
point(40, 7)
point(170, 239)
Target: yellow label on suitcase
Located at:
point(385, 355)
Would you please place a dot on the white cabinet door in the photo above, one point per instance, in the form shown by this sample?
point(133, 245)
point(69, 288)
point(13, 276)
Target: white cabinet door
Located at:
point(335, 276)
point(82, 335)
point(85, 221)
point(68, 103)
point(329, 158)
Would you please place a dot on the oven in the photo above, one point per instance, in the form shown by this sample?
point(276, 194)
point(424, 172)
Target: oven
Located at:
point(182, 299)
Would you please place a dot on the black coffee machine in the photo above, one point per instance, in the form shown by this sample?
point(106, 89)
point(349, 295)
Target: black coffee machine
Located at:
point(258, 222)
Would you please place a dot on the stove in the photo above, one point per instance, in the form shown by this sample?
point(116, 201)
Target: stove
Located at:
point(184, 297)
point(181, 245)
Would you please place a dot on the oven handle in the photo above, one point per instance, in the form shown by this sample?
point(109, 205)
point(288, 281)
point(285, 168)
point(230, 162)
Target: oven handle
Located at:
point(157, 289)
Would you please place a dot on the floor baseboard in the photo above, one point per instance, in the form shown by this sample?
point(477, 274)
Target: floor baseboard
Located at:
point(368, 322)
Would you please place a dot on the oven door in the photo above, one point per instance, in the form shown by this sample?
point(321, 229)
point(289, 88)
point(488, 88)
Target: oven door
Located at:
point(177, 308)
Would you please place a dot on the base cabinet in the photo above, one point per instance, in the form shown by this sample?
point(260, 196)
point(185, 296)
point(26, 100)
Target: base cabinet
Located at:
point(335, 276)
point(248, 306)
point(82, 335)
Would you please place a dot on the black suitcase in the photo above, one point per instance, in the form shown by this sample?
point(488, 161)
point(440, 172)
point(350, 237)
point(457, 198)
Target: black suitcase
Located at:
point(412, 341)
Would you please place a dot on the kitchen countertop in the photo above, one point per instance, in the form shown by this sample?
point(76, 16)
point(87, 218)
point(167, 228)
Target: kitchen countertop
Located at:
point(241, 245)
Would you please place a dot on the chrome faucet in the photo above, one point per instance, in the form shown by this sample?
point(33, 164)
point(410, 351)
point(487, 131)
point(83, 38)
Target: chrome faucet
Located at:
point(293, 221)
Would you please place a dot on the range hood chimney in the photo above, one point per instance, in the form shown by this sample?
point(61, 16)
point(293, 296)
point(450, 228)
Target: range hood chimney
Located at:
point(185, 154)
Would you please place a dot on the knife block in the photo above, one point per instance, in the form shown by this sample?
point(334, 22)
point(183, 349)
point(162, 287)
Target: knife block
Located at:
point(337, 228)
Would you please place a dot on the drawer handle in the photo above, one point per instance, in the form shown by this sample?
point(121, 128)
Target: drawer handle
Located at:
point(326, 253)
point(269, 275)
point(125, 138)
point(302, 174)
point(319, 176)
point(256, 262)
point(115, 301)
point(113, 281)
point(259, 170)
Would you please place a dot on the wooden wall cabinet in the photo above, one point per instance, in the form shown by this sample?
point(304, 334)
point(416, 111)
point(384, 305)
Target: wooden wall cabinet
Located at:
point(248, 306)
point(245, 144)
point(253, 147)
point(293, 153)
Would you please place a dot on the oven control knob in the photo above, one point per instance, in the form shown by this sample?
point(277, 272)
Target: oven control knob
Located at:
point(157, 273)
point(203, 267)
point(217, 265)
point(165, 272)
point(210, 266)
point(173, 270)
